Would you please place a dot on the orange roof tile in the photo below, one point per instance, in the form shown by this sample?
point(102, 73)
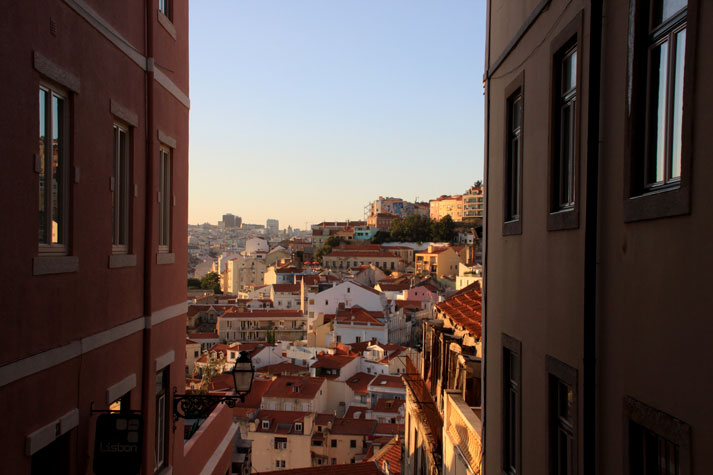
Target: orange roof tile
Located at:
point(387, 381)
point(360, 382)
point(284, 387)
point(353, 410)
point(333, 361)
point(388, 405)
point(280, 422)
point(464, 308)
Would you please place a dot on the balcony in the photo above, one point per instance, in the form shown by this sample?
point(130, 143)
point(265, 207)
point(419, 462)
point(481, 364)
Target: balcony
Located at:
point(417, 393)
point(462, 429)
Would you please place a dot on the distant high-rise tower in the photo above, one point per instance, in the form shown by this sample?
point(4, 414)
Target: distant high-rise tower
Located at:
point(232, 221)
point(273, 225)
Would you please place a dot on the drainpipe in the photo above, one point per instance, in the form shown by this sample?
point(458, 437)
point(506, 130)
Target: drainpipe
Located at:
point(484, 241)
point(148, 370)
point(591, 242)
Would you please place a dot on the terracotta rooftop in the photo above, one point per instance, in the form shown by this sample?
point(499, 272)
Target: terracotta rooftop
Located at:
point(286, 287)
point(354, 426)
point(355, 315)
point(360, 382)
point(389, 454)
point(388, 405)
point(388, 429)
point(253, 399)
point(359, 254)
point(333, 361)
point(280, 422)
point(324, 419)
point(203, 336)
point(356, 409)
point(295, 387)
point(359, 468)
point(387, 381)
point(389, 287)
point(464, 308)
point(412, 304)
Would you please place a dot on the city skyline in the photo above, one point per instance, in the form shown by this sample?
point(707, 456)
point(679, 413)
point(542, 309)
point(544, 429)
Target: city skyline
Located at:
point(346, 101)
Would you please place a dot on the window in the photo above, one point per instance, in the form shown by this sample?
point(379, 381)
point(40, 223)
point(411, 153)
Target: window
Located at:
point(53, 458)
point(513, 157)
point(334, 443)
point(53, 167)
point(298, 426)
point(280, 442)
point(121, 404)
point(266, 424)
point(352, 444)
point(562, 417)
point(659, 123)
point(166, 7)
point(511, 404)
point(334, 461)
point(120, 190)
point(164, 196)
point(358, 339)
point(655, 441)
point(564, 140)
point(161, 421)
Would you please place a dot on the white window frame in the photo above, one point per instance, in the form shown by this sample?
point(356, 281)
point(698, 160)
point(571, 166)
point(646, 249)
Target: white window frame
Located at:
point(46, 244)
point(120, 190)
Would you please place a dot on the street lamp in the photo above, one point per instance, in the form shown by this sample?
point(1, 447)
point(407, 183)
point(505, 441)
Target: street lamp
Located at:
point(194, 406)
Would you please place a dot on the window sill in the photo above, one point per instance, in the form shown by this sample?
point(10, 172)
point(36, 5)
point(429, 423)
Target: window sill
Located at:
point(122, 260)
point(165, 258)
point(167, 25)
point(512, 227)
point(562, 220)
point(658, 204)
point(44, 265)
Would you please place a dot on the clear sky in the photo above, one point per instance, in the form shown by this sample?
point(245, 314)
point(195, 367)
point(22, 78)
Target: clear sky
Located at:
point(307, 110)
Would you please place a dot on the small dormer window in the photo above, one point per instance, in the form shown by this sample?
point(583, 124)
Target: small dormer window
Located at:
point(296, 389)
point(266, 424)
point(298, 427)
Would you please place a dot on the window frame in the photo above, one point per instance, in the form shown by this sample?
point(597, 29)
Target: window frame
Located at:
point(512, 223)
point(161, 422)
point(640, 203)
point(564, 217)
point(559, 372)
point(48, 248)
point(513, 346)
point(165, 7)
point(165, 199)
point(662, 425)
point(116, 184)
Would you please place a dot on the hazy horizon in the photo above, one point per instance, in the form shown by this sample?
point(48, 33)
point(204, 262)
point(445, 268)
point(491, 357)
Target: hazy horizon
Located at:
point(307, 112)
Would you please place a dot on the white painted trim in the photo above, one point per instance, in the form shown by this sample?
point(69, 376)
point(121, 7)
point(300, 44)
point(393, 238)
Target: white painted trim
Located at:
point(166, 314)
point(108, 31)
point(109, 336)
point(165, 360)
point(111, 34)
point(212, 462)
point(115, 391)
point(47, 434)
point(39, 362)
point(56, 73)
point(30, 365)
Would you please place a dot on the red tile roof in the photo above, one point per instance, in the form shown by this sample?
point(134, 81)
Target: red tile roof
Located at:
point(387, 381)
point(390, 429)
point(390, 454)
point(360, 254)
point(360, 468)
point(464, 308)
point(284, 387)
point(359, 382)
point(333, 361)
point(389, 287)
point(281, 422)
point(324, 419)
point(353, 410)
point(388, 405)
point(203, 336)
point(286, 287)
point(354, 426)
point(413, 304)
point(253, 399)
point(356, 315)
point(268, 314)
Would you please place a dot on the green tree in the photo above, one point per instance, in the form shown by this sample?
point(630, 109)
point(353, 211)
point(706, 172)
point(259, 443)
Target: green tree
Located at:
point(194, 283)
point(326, 248)
point(211, 281)
point(415, 228)
point(444, 230)
point(270, 336)
point(381, 237)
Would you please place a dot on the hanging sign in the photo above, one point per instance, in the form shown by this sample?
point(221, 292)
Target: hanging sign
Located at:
point(117, 444)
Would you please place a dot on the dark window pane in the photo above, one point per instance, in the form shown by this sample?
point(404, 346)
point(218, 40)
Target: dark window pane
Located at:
point(123, 188)
point(665, 9)
point(657, 113)
point(43, 168)
point(569, 72)
point(57, 170)
point(677, 104)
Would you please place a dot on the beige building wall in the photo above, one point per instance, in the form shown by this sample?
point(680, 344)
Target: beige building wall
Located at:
point(264, 454)
point(243, 271)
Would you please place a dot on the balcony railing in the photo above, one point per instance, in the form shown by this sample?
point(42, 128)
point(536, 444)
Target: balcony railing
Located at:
point(423, 399)
point(463, 426)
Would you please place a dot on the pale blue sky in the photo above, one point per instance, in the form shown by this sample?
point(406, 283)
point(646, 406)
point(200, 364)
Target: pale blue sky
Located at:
point(305, 110)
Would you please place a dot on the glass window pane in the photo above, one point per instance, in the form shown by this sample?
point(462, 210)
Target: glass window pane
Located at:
point(123, 188)
point(569, 72)
point(114, 192)
point(57, 170)
point(657, 113)
point(677, 104)
point(43, 168)
point(665, 9)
